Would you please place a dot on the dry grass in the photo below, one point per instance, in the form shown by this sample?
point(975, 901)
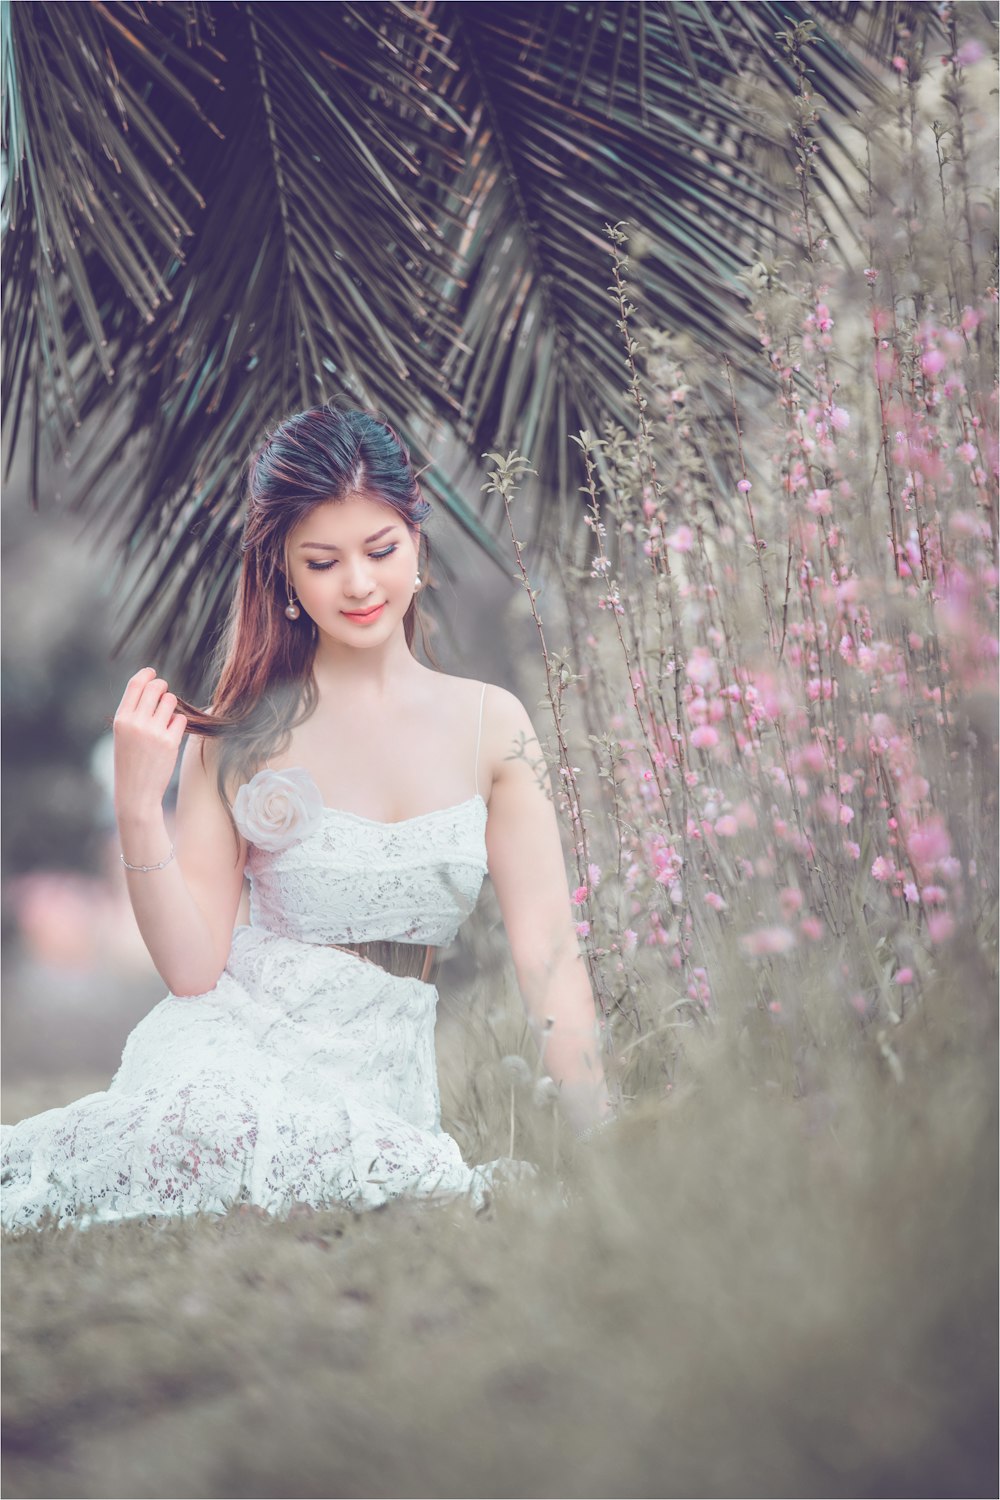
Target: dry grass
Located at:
point(746, 1294)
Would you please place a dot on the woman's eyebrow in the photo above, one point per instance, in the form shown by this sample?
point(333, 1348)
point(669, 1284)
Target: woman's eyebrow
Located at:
point(329, 546)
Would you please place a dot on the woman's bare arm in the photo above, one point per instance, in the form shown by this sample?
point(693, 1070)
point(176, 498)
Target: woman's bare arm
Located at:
point(187, 909)
point(528, 870)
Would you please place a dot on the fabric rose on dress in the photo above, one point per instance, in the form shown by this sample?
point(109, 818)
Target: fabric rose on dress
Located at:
point(277, 808)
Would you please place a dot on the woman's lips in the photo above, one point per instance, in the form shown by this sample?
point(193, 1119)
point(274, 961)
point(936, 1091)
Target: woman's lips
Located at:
point(363, 616)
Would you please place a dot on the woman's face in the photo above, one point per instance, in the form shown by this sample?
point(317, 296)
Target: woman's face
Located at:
point(353, 565)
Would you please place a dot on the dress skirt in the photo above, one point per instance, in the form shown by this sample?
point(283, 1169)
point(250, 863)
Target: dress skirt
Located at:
point(307, 1075)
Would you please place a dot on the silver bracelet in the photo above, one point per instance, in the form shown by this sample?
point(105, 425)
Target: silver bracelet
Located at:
point(147, 869)
point(598, 1125)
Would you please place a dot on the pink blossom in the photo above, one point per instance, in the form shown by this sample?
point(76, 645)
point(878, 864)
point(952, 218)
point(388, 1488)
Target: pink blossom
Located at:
point(971, 319)
point(940, 926)
point(928, 843)
point(934, 895)
point(883, 869)
point(704, 737)
point(715, 901)
point(583, 929)
point(967, 451)
point(818, 502)
point(744, 486)
point(811, 928)
point(764, 941)
point(820, 687)
point(790, 901)
point(970, 52)
point(681, 540)
point(594, 872)
point(701, 668)
point(726, 826)
point(579, 895)
point(910, 893)
point(829, 807)
point(933, 362)
point(853, 850)
point(745, 815)
point(903, 976)
point(813, 757)
point(840, 419)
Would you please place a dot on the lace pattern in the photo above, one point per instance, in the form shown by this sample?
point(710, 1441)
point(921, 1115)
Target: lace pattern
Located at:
point(350, 879)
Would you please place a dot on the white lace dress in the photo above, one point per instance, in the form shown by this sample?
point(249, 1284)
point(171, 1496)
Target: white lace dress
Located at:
point(308, 1074)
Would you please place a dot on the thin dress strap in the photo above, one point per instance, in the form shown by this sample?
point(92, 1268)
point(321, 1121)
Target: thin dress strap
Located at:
point(479, 736)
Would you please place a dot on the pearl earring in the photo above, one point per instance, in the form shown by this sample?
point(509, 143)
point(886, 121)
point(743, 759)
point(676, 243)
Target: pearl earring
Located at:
point(417, 583)
point(292, 610)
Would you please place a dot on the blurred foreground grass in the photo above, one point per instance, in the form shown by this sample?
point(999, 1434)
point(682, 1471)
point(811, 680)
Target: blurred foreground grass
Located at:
point(746, 1294)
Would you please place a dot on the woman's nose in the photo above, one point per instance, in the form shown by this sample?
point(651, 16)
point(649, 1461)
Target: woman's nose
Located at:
point(358, 582)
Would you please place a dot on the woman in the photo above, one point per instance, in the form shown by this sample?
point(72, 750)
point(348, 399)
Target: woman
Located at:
point(363, 795)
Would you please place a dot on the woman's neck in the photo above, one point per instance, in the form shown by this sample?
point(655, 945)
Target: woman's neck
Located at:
point(374, 673)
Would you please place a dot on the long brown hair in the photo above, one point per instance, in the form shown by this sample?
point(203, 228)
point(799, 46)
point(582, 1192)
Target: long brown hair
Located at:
point(265, 685)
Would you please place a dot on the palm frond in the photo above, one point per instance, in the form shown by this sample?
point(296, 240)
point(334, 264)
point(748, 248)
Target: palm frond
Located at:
point(97, 197)
point(620, 113)
point(221, 212)
point(310, 274)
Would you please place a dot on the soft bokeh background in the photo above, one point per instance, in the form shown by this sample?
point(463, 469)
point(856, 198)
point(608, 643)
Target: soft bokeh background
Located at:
point(776, 1275)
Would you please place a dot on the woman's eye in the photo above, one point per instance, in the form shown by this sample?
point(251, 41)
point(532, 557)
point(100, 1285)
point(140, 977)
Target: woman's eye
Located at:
point(321, 567)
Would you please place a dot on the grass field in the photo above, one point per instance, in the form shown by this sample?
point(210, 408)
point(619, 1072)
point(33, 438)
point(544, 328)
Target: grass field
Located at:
point(737, 1294)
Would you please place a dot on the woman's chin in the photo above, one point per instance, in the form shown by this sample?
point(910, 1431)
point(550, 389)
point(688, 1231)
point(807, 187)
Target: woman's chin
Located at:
point(343, 632)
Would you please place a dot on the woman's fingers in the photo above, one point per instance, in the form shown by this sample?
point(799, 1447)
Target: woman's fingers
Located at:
point(165, 707)
point(148, 734)
point(150, 696)
point(146, 698)
point(134, 687)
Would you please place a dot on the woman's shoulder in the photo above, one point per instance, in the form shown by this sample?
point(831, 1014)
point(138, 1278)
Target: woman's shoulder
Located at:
point(505, 709)
point(501, 707)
